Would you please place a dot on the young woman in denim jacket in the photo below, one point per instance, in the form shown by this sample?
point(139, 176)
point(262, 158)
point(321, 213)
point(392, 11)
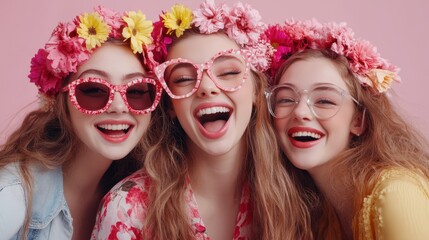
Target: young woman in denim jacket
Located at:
point(97, 98)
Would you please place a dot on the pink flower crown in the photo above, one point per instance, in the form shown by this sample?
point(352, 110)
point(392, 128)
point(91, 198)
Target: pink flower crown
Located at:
point(72, 43)
point(241, 23)
point(364, 60)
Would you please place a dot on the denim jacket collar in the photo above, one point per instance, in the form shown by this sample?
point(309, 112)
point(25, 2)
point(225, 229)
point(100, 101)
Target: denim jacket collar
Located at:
point(48, 197)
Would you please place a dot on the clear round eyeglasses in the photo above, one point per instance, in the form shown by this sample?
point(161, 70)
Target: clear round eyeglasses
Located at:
point(181, 78)
point(324, 101)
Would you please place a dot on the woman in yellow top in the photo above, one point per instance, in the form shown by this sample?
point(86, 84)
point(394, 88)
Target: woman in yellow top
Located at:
point(362, 168)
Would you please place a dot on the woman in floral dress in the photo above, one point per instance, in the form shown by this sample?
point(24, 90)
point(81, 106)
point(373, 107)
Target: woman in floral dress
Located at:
point(212, 169)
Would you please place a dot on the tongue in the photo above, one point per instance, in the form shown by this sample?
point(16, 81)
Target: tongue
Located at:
point(214, 126)
point(113, 132)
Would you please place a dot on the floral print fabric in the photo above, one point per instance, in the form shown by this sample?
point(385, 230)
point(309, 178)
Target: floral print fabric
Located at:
point(123, 210)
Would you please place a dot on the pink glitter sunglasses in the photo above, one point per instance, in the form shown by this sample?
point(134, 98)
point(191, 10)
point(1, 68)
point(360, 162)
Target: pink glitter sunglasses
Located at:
point(180, 77)
point(95, 95)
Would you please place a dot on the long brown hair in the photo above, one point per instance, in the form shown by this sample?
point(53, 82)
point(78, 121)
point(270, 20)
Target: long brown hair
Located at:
point(387, 142)
point(278, 211)
point(46, 137)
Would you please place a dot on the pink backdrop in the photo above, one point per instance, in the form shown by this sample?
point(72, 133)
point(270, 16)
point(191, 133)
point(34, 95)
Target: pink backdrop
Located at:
point(399, 31)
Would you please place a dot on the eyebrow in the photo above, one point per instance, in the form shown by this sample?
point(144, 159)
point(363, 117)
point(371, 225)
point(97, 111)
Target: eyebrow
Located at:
point(106, 75)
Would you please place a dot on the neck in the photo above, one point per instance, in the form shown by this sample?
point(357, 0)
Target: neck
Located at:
point(338, 194)
point(82, 189)
point(84, 172)
point(217, 176)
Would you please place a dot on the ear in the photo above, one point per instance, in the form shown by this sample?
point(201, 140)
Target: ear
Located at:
point(358, 125)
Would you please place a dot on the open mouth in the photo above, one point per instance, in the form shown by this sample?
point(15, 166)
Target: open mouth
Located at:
point(114, 129)
point(304, 136)
point(213, 118)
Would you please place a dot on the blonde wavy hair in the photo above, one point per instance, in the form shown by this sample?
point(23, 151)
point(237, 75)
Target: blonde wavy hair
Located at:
point(278, 210)
point(388, 141)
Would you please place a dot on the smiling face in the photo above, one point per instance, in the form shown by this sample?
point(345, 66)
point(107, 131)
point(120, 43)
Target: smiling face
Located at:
point(115, 132)
point(311, 143)
point(213, 119)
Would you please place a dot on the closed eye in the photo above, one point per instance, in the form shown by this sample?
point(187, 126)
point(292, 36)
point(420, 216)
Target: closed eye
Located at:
point(325, 102)
point(184, 80)
point(229, 73)
point(285, 101)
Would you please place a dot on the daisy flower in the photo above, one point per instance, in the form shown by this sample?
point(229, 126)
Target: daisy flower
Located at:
point(178, 20)
point(138, 30)
point(93, 30)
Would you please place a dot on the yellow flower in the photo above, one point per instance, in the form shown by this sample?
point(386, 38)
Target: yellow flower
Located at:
point(178, 20)
point(381, 79)
point(93, 30)
point(138, 29)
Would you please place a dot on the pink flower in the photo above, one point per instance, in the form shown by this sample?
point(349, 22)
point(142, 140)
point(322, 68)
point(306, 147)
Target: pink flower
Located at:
point(363, 56)
point(113, 19)
point(65, 52)
point(282, 45)
point(209, 18)
point(340, 37)
point(41, 75)
point(259, 55)
point(199, 228)
point(280, 41)
point(243, 24)
point(305, 34)
point(135, 195)
point(122, 231)
point(160, 41)
point(149, 58)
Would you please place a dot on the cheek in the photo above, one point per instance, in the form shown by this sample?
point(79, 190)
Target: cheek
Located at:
point(179, 108)
point(280, 124)
point(143, 121)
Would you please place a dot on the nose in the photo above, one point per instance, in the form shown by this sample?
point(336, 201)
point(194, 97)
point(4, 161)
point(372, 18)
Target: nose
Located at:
point(118, 105)
point(302, 110)
point(207, 86)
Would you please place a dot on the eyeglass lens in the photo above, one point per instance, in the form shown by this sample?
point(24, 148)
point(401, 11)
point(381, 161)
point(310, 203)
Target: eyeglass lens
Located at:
point(94, 96)
point(226, 70)
point(324, 102)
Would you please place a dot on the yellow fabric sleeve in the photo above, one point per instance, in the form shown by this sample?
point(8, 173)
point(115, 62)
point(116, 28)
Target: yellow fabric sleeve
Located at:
point(399, 208)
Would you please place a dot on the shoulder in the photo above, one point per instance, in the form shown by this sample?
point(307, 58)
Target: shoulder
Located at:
point(13, 202)
point(47, 196)
point(400, 180)
point(122, 210)
point(399, 202)
point(48, 199)
point(130, 190)
point(9, 176)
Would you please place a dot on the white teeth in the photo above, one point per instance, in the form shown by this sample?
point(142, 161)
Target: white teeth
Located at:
point(114, 127)
point(306, 134)
point(212, 110)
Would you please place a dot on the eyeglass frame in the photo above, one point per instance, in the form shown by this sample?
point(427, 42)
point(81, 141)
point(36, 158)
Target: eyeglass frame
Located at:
point(269, 92)
point(71, 88)
point(160, 70)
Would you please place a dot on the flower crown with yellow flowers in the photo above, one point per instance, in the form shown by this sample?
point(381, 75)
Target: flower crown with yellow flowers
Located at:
point(241, 23)
point(365, 62)
point(72, 43)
